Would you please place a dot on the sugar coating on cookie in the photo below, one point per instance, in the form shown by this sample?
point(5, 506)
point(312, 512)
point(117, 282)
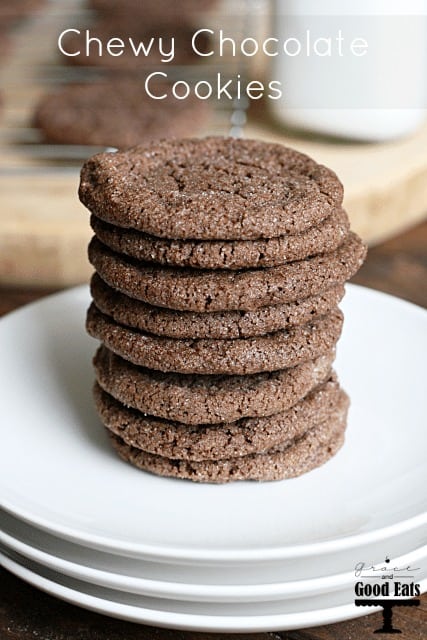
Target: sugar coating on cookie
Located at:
point(219, 290)
point(201, 399)
point(274, 351)
point(211, 188)
point(308, 452)
point(224, 440)
point(220, 324)
point(225, 254)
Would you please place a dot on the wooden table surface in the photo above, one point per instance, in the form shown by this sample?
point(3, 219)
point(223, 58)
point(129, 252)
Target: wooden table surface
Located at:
point(399, 267)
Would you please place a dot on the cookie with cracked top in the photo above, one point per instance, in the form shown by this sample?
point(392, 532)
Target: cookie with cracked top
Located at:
point(195, 399)
point(220, 324)
point(313, 449)
point(210, 189)
point(225, 254)
point(226, 440)
point(240, 356)
point(218, 290)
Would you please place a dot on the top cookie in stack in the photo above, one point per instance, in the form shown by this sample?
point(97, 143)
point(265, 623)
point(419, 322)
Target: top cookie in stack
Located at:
point(219, 266)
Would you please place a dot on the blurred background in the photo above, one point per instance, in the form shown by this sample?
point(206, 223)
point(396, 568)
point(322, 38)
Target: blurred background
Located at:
point(365, 119)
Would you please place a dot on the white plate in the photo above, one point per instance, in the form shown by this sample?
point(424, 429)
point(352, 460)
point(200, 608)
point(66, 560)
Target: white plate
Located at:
point(185, 615)
point(59, 472)
point(191, 575)
point(280, 571)
point(202, 592)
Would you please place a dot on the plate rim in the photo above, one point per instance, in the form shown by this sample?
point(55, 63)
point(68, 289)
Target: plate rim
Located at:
point(232, 555)
point(186, 621)
point(197, 592)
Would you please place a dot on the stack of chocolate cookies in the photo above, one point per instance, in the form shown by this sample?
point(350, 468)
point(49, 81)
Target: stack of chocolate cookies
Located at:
point(219, 267)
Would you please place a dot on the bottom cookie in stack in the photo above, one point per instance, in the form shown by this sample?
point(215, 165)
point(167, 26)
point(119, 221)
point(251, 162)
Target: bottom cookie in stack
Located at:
point(266, 426)
point(280, 446)
point(312, 450)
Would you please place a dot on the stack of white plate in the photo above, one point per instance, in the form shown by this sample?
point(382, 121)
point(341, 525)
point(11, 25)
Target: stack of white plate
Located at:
point(82, 525)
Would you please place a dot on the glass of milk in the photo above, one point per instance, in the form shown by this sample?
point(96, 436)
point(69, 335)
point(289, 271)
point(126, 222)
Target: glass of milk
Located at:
point(351, 68)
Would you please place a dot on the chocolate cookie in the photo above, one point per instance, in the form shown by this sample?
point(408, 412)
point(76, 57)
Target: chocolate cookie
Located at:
point(197, 290)
point(116, 114)
point(240, 356)
point(207, 399)
point(225, 254)
point(210, 189)
point(225, 324)
point(308, 452)
point(244, 437)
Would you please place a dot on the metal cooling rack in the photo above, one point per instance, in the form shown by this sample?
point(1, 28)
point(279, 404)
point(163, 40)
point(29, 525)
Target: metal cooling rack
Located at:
point(34, 67)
